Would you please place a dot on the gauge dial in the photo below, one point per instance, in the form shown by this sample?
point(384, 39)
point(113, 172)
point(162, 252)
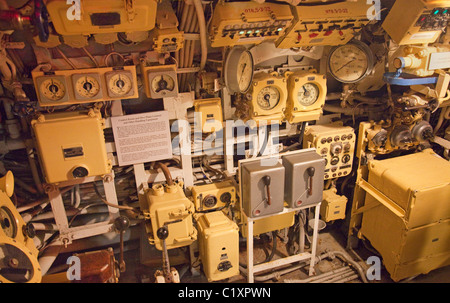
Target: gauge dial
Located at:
point(8, 222)
point(238, 70)
point(120, 84)
point(87, 86)
point(53, 89)
point(268, 97)
point(163, 83)
point(351, 62)
point(308, 94)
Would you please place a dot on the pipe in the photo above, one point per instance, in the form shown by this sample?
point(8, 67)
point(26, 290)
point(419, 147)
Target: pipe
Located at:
point(203, 35)
point(165, 171)
point(336, 274)
point(354, 264)
point(319, 278)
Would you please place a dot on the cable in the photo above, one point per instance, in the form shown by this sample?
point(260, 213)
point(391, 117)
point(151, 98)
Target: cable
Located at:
point(110, 204)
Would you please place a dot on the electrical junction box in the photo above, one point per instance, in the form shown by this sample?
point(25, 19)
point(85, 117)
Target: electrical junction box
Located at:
point(101, 17)
point(213, 196)
point(71, 145)
point(333, 205)
point(409, 221)
point(167, 205)
point(270, 223)
point(304, 173)
point(218, 238)
point(336, 144)
point(167, 40)
point(417, 21)
point(261, 188)
point(210, 112)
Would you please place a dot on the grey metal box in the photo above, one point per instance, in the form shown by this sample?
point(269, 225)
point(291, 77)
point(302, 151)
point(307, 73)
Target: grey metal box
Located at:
point(298, 181)
point(254, 189)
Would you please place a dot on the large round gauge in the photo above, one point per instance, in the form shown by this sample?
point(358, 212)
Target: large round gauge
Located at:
point(8, 222)
point(308, 94)
point(238, 71)
point(268, 97)
point(162, 83)
point(87, 86)
point(350, 62)
point(53, 89)
point(120, 84)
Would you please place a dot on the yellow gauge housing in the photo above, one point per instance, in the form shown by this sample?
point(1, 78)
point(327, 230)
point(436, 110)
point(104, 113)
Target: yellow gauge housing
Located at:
point(151, 74)
point(273, 82)
point(102, 80)
point(298, 81)
point(18, 244)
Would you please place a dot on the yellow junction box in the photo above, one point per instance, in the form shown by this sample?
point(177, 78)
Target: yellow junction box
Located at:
point(210, 111)
point(218, 245)
point(168, 206)
point(269, 224)
point(333, 205)
point(97, 17)
point(409, 222)
point(71, 145)
point(215, 195)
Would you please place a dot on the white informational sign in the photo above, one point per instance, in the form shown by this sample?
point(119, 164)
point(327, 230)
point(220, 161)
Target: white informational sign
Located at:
point(141, 138)
point(439, 61)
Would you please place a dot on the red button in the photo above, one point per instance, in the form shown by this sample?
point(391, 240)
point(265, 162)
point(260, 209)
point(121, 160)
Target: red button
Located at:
point(341, 33)
point(313, 35)
point(328, 33)
point(299, 37)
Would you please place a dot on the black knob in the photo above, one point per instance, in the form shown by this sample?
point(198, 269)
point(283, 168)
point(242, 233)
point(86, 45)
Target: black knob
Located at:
point(122, 223)
point(266, 180)
point(28, 230)
point(311, 171)
point(162, 233)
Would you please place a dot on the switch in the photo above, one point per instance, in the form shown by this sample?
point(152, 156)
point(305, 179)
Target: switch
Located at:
point(313, 35)
point(266, 180)
point(310, 171)
point(327, 33)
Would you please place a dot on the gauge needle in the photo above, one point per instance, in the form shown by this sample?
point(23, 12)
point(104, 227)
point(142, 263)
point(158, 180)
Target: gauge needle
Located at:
point(242, 72)
point(345, 64)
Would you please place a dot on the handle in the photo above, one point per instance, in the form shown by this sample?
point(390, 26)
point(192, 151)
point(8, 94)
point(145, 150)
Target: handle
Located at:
point(310, 171)
point(266, 180)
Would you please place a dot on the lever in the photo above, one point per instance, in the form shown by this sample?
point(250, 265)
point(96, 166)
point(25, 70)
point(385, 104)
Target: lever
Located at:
point(162, 233)
point(121, 224)
point(266, 180)
point(310, 171)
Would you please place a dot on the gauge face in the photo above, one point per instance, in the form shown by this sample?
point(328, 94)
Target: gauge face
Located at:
point(87, 86)
point(350, 63)
point(308, 94)
point(53, 89)
point(268, 97)
point(244, 71)
point(238, 70)
point(163, 83)
point(120, 84)
point(8, 222)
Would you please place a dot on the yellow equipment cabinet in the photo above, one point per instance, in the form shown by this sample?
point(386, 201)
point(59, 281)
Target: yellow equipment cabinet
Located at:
point(210, 112)
point(240, 23)
point(325, 24)
point(100, 17)
point(213, 196)
point(18, 253)
point(71, 145)
point(333, 205)
point(306, 96)
point(336, 144)
point(167, 205)
point(218, 245)
point(408, 222)
point(417, 21)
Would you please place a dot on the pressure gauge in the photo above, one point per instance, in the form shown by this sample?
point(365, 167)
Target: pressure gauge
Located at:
point(163, 83)
point(87, 86)
point(8, 222)
point(268, 97)
point(238, 71)
point(52, 89)
point(120, 84)
point(350, 62)
point(308, 94)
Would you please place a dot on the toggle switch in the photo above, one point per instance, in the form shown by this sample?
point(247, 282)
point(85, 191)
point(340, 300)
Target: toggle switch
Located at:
point(266, 180)
point(310, 171)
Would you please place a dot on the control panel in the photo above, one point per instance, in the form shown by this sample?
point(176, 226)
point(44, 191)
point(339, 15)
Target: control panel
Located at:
point(240, 23)
point(64, 87)
point(336, 144)
point(417, 21)
point(160, 81)
point(325, 24)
